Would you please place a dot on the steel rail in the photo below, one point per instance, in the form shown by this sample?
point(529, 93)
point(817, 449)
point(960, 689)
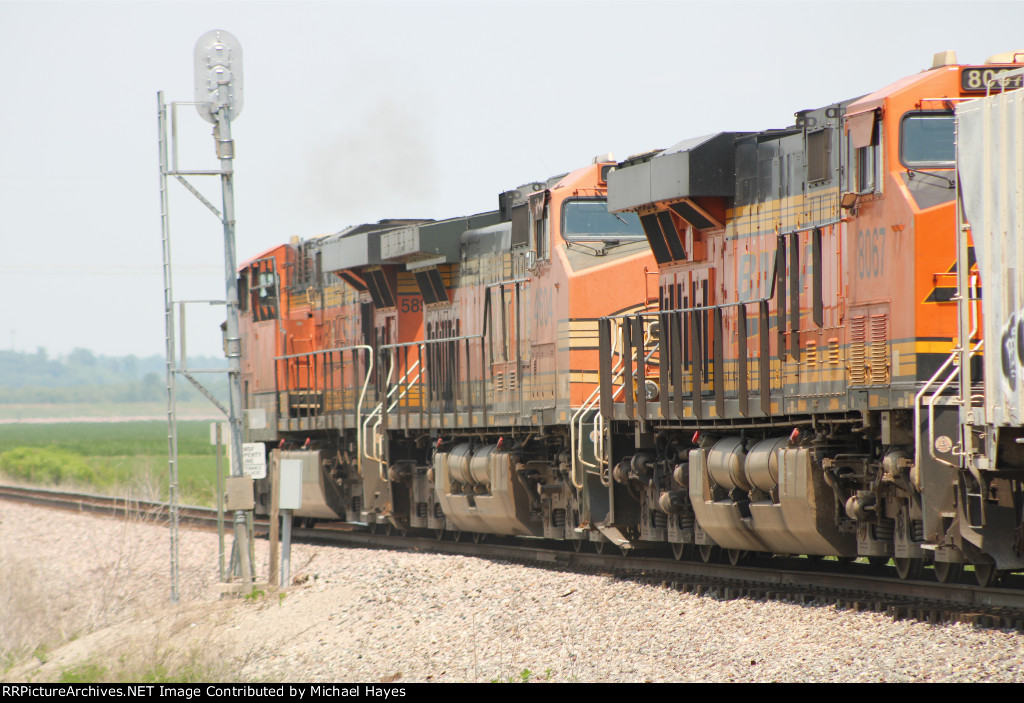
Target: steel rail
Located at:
point(851, 586)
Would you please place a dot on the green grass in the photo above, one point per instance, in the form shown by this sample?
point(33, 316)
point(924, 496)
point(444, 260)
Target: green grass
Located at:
point(153, 662)
point(83, 673)
point(110, 457)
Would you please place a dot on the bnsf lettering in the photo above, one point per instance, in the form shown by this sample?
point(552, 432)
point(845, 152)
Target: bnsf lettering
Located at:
point(754, 272)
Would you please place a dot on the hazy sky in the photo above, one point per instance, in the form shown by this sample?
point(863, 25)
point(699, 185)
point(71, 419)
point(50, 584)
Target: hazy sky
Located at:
point(358, 111)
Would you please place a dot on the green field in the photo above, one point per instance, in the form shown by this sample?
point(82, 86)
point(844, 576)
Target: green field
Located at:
point(150, 410)
point(118, 458)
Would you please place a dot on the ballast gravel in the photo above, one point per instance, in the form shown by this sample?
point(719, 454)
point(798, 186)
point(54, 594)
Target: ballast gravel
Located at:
point(398, 617)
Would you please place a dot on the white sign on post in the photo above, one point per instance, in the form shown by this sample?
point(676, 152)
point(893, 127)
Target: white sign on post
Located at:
point(290, 494)
point(222, 437)
point(254, 460)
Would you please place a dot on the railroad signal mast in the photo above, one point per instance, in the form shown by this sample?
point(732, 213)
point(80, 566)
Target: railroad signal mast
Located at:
point(218, 99)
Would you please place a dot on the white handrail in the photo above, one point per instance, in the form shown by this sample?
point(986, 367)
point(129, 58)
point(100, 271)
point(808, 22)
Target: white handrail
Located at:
point(373, 414)
point(933, 399)
point(380, 409)
point(359, 403)
point(391, 407)
point(362, 395)
point(576, 423)
point(588, 404)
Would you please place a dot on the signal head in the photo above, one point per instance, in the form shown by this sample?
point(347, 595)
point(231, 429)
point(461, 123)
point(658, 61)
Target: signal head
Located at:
point(218, 75)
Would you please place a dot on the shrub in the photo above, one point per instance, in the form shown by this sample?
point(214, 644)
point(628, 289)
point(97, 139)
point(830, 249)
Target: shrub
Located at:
point(47, 466)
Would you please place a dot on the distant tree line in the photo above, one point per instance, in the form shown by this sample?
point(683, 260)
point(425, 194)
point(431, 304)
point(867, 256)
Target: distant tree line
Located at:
point(82, 376)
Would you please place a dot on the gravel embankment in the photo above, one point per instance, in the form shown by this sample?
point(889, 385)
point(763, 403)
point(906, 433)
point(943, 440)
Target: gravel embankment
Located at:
point(374, 616)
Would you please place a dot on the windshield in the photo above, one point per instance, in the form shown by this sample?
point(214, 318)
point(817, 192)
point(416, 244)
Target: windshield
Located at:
point(926, 139)
point(588, 220)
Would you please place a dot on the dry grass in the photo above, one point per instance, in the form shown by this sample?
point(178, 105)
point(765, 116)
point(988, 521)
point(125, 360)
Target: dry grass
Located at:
point(182, 647)
point(31, 621)
point(103, 613)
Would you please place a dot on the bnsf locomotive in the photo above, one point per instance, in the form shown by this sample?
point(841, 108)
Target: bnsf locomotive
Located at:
point(751, 342)
point(426, 373)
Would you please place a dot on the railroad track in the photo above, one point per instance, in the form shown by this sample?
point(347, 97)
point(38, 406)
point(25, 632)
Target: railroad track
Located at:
point(108, 505)
point(823, 583)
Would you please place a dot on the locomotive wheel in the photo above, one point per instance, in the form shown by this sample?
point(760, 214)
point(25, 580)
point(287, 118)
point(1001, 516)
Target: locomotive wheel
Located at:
point(987, 575)
point(708, 553)
point(479, 537)
point(456, 535)
point(737, 557)
point(907, 568)
point(600, 546)
point(373, 527)
point(388, 529)
point(948, 571)
point(439, 534)
point(577, 545)
point(682, 551)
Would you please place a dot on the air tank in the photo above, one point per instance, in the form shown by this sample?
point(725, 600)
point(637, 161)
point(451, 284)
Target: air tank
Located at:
point(762, 463)
point(470, 467)
point(725, 464)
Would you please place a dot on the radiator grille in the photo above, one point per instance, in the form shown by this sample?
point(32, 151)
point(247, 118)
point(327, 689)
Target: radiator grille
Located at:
point(879, 360)
point(858, 365)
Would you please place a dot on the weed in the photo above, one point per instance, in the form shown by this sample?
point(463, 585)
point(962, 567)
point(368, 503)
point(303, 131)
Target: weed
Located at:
point(152, 662)
point(525, 676)
point(254, 595)
point(83, 673)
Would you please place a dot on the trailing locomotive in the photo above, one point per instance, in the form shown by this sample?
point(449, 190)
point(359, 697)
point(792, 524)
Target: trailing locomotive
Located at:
point(425, 373)
point(808, 343)
point(788, 386)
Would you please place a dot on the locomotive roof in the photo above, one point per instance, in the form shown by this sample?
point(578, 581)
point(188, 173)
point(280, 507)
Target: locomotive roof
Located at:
point(699, 166)
point(396, 241)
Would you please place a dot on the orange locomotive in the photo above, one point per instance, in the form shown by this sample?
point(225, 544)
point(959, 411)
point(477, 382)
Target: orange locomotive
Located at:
point(425, 373)
point(793, 395)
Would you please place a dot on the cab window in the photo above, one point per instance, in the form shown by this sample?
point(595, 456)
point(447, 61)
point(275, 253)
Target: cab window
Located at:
point(927, 139)
point(588, 219)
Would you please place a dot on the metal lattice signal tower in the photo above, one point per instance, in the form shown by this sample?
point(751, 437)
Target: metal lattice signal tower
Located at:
point(218, 100)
